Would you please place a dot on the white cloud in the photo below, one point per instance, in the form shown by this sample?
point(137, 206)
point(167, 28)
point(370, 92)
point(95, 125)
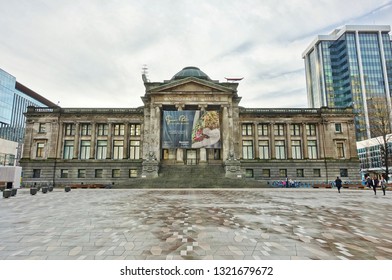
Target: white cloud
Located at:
point(90, 53)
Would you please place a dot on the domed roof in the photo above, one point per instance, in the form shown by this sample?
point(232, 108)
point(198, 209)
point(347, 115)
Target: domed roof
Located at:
point(190, 71)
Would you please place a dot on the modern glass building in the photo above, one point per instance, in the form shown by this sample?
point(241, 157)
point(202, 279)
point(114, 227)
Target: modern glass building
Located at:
point(352, 66)
point(14, 100)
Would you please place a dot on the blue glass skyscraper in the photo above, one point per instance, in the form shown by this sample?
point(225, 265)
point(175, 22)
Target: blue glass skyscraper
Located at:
point(351, 67)
point(14, 100)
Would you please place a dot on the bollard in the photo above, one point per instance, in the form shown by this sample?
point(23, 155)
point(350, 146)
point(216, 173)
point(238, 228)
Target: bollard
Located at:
point(7, 193)
point(33, 191)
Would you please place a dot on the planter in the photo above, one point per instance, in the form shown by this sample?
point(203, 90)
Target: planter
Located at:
point(44, 189)
point(7, 193)
point(13, 192)
point(33, 191)
point(67, 189)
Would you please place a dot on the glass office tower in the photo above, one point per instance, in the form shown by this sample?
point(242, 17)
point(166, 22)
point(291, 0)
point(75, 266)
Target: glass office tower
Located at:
point(351, 67)
point(14, 100)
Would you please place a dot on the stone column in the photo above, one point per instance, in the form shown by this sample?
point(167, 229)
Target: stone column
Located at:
point(272, 140)
point(77, 147)
point(289, 153)
point(126, 141)
point(93, 141)
point(225, 138)
point(203, 155)
point(109, 141)
point(305, 154)
point(180, 151)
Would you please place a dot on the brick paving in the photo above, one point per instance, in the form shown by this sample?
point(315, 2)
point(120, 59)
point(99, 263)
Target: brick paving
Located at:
point(202, 224)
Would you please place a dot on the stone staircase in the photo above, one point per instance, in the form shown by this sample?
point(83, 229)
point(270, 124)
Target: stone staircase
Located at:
point(192, 176)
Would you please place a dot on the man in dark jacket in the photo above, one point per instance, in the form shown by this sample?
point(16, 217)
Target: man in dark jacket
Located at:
point(338, 183)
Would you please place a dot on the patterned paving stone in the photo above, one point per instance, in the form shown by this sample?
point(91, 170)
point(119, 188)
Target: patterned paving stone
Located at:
point(223, 224)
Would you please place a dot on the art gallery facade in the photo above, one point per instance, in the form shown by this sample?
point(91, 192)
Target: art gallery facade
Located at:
point(191, 122)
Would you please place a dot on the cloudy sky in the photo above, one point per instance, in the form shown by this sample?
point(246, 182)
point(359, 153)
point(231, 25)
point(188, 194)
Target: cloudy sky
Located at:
point(90, 53)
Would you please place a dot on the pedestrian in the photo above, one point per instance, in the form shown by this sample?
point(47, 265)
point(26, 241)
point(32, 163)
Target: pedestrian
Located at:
point(368, 182)
point(338, 183)
point(374, 184)
point(383, 184)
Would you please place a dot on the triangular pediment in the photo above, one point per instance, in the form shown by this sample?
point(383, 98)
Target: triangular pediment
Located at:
point(193, 85)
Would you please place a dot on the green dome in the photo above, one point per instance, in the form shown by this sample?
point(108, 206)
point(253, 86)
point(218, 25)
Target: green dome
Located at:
point(190, 71)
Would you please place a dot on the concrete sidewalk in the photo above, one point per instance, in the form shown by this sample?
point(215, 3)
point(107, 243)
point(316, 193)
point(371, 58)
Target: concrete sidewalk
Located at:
point(220, 224)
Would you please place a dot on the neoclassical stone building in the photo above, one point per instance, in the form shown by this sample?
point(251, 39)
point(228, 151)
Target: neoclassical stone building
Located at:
point(194, 123)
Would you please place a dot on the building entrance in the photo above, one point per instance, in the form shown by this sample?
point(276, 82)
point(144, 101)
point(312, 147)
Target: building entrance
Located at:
point(191, 157)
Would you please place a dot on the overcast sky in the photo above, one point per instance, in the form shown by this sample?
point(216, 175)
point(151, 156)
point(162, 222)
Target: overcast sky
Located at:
point(90, 53)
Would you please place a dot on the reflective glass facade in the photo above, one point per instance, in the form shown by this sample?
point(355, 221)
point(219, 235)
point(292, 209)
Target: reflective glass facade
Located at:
point(353, 68)
point(13, 103)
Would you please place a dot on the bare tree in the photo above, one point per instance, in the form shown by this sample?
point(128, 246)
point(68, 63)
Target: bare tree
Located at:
point(380, 128)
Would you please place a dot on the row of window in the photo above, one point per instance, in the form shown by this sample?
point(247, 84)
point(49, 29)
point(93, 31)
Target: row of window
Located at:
point(266, 173)
point(101, 149)
point(102, 129)
point(98, 173)
point(280, 149)
point(278, 129)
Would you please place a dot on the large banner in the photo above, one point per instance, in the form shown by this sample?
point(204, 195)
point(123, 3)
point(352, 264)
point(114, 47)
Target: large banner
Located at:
point(190, 129)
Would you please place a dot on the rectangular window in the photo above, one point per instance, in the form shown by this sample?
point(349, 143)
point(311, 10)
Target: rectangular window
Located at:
point(81, 173)
point(116, 173)
point(338, 127)
point(343, 172)
point(300, 173)
point(135, 129)
point(247, 129)
point(68, 149)
point(69, 129)
point(263, 129)
point(64, 173)
point(103, 129)
point(283, 172)
point(249, 173)
point(102, 146)
point(264, 149)
point(296, 149)
point(340, 150)
point(85, 129)
point(85, 149)
point(266, 173)
point(247, 149)
point(312, 149)
point(278, 129)
point(42, 128)
point(40, 150)
point(98, 173)
point(311, 130)
point(132, 173)
point(280, 149)
point(36, 173)
point(316, 172)
point(134, 149)
point(295, 130)
point(119, 129)
point(118, 148)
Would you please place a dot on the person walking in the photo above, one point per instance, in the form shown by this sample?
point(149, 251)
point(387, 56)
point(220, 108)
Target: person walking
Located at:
point(383, 184)
point(338, 183)
point(374, 184)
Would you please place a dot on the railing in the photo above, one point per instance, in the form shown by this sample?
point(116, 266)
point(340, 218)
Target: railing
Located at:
point(296, 110)
point(33, 109)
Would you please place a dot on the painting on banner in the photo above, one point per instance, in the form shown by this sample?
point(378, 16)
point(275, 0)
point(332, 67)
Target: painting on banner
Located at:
point(190, 129)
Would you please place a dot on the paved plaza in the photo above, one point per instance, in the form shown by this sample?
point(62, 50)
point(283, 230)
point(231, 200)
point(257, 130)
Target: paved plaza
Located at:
point(219, 224)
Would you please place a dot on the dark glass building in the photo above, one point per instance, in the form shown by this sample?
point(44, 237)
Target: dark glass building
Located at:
point(351, 67)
